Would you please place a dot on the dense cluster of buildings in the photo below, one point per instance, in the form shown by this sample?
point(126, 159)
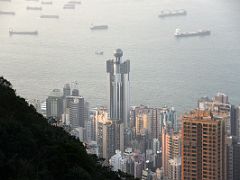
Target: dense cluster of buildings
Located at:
point(152, 142)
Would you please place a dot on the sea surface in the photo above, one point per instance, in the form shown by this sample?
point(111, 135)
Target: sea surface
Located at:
point(164, 70)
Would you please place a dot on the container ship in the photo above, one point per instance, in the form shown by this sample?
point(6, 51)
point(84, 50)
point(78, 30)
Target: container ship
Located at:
point(11, 32)
point(32, 0)
point(46, 2)
point(99, 27)
point(168, 13)
point(200, 32)
point(50, 16)
point(74, 2)
point(34, 8)
point(7, 13)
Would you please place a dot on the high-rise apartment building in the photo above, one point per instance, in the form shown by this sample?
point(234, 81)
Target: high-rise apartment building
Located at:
point(101, 118)
point(220, 104)
point(234, 120)
point(203, 146)
point(157, 153)
point(93, 118)
point(229, 157)
point(138, 165)
point(174, 169)
point(221, 98)
point(75, 109)
point(127, 164)
point(108, 140)
point(119, 88)
point(116, 160)
point(238, 122)
point(156, 145)
point(236, 159)
point(171, 148)
point(150, 121)
point(109, 133)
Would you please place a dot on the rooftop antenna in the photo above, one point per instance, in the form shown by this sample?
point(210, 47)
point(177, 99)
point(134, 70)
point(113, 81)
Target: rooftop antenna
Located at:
point(75, 84)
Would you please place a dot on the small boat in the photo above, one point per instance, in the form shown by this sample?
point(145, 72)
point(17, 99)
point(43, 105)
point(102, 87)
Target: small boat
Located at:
point(50, 16)
point(7, 13)
point(34, 8)
point(200, 32)
point(168, 13)
point(99, 52)
point(11, 32)
point(99, 27)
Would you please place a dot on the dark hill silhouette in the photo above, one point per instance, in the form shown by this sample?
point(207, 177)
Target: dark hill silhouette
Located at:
point(32, 149)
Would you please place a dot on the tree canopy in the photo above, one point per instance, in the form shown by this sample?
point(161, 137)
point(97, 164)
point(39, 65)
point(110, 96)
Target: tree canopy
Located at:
point(32, 149)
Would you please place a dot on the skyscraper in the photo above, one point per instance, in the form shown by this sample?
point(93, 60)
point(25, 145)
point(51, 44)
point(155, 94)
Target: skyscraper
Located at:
point(66, 90)
point(229, 157)
point(54, 104)
point(74, 106)
point(101, 119)
point(76, 111)
point(221, 98)
point(236, 159)
point(238, 122)
point(108, 140)
point(118, 131)
point(75, 92)
point(203, 146)
point(104, 134)
point(119, 88)
point(93, 117)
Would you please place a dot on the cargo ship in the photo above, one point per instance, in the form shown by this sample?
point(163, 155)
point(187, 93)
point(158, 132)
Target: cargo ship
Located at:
point(74, 2)
point(34, 8)
point(99, 27)
point(11, 32)
point(46, 2)
point(7, 13)
point(168, 13)
point(200, 32)
point(50, 16)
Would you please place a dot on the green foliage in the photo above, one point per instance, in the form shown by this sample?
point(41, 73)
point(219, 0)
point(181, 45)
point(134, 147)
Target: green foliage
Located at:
point(31, 149)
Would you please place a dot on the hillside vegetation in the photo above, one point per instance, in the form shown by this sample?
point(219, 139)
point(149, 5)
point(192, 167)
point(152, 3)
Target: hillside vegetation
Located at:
point(32, 149)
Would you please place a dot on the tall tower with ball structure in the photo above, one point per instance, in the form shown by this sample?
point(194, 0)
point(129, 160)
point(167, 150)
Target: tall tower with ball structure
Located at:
point(119, 88)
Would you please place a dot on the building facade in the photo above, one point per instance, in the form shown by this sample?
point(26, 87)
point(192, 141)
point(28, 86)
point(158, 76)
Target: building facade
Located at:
point(174, 169)
point(119, 81)
point(54, 104)
point(171, 148)
point(203, 146)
